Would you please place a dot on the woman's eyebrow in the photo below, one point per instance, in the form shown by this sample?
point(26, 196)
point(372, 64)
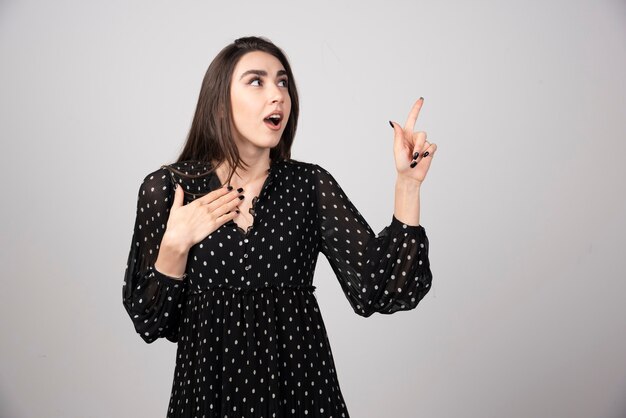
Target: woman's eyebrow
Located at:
point(262, 73)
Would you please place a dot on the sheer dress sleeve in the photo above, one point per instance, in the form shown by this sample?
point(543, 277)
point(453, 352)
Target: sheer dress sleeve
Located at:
point(153, 300)
point(381, 273)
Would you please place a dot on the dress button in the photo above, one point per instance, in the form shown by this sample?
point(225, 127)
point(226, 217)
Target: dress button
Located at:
point(245, 255)
point(245, 240)
point(248, 267)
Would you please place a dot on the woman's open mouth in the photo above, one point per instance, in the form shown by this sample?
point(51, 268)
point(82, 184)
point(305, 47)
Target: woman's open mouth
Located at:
point(274, 122)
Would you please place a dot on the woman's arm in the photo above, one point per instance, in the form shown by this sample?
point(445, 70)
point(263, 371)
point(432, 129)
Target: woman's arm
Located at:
point(388, 271)
point(384, 272)
point(153, 300)
point(413, 155)
point(407, 201)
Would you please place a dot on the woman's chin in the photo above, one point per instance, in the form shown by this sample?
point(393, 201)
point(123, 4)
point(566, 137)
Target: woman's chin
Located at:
point(271, 142)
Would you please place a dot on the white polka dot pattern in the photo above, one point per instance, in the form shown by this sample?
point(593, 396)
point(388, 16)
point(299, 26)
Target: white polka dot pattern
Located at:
point(251, 339)
point(382, 273)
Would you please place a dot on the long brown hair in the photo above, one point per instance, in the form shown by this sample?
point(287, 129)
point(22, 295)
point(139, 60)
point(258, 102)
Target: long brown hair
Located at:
point(210, 138)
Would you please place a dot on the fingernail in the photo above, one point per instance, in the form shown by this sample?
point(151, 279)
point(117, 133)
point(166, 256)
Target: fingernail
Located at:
point(237, 210)
point(391, 124)
point(175, 186)
point(421, 98)
point(230, 187)
point(413, 164)
point(415, 155)
point(240, 197)
point(425, 154)
point(240, 190)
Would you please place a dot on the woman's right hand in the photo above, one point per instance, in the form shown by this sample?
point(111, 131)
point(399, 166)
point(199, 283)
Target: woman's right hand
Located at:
point(189, 224)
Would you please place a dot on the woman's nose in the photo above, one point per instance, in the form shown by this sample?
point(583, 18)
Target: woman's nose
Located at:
point(276, 94)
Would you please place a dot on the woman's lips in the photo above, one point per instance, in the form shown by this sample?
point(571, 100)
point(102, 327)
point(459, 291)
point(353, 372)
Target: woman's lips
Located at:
point(272, 126)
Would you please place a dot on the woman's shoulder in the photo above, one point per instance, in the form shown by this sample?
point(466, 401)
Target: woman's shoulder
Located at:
point(311, 167)
point(156, 177)
point(183, 168)
point(188, 167)
point(312, 170)
point(194, 176)
point(301, 165)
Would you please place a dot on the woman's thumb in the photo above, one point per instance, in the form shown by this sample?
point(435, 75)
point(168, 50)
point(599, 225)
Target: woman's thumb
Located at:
point(393, 125)
point(178, 195)
point(397, 134)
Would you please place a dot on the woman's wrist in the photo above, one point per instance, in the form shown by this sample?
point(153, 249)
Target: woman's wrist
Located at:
point(172, 258)
point(174, 245)
point(405, 184)
point(407, 201)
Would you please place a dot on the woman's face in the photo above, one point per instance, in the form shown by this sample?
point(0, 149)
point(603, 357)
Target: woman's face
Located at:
point(258, 88)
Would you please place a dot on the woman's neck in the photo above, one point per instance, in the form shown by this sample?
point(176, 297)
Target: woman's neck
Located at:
point(257, 170)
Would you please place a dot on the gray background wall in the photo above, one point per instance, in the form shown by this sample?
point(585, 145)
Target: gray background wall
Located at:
point(524, 203)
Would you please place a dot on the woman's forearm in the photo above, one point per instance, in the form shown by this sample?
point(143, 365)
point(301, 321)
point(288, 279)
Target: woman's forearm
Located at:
point(407, 201)
point(172, 259)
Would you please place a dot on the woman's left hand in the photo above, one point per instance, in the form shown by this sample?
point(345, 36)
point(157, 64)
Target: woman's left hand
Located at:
point(413, 154)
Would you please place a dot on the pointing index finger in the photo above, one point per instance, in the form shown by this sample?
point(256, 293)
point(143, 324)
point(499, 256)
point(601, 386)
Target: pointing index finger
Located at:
point(415, 111)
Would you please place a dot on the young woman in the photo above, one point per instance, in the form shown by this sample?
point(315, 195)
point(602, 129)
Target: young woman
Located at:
point(226, 241)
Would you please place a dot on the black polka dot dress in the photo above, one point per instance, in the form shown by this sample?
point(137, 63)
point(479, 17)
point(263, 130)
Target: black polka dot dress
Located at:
point(251, 339)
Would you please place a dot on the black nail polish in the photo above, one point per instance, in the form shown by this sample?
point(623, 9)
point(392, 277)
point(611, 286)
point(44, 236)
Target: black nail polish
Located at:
point(415, 155)
point(240, 190)
point(240, 197)
point(237, 210)
point(413, 164)
point(391, 124)
point(425, 154)
point(230, 187)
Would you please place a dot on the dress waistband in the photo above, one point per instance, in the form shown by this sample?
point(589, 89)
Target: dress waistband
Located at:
point(247, 290)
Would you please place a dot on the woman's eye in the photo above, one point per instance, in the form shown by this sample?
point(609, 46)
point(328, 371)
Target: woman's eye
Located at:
point(284, 81)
